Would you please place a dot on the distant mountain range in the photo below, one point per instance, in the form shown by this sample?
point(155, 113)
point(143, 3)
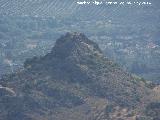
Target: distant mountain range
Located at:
point(75, 81)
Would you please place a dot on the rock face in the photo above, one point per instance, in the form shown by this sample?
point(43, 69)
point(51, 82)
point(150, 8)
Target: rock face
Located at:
point(74, 44)
point(75, 82)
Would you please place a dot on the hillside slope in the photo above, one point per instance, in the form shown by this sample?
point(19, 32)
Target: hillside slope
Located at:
point(74, 82)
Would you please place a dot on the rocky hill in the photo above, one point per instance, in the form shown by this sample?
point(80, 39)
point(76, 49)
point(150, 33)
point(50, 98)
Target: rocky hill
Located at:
point(128, 34)
point(75, 81)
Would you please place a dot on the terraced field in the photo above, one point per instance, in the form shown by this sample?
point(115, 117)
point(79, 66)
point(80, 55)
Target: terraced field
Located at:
point(64, 8)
